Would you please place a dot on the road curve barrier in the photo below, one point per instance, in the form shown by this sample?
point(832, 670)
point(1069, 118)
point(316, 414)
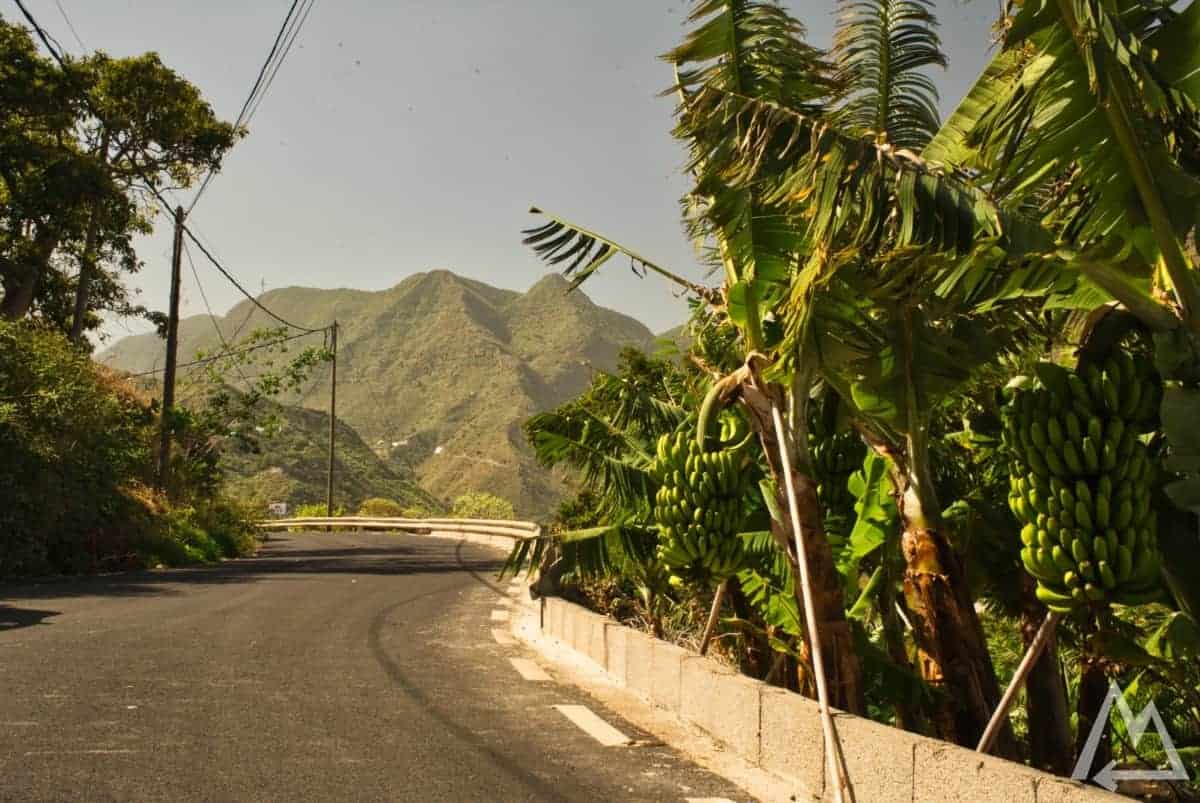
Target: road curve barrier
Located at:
point(493, 532)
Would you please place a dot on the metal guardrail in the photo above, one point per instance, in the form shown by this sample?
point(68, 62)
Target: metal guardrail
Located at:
point(517, 530)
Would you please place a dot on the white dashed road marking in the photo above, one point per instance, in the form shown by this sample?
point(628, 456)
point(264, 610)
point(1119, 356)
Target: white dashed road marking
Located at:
point(528, 669)
point(507, 602)
point(80, 753)
point(593, 725)
point(503, 637)
point(499, 616)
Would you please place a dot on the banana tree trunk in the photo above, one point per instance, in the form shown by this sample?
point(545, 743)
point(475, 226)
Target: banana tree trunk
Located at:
point(1046, 705)
point(1093, 688)
point(843, 671)
point(908, 715)
point(953, 653)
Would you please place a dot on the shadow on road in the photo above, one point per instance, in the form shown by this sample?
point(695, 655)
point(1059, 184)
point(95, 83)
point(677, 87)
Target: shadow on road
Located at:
point(14, 618)
point(278, 558)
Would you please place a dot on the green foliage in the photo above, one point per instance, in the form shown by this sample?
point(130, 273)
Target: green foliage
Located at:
point(316, 510)
point(74, 442)
point(481, 505)
point(384, 508)
point(75, 460)
point(81, 143)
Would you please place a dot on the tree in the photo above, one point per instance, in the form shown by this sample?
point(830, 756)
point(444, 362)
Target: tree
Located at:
point(147, 128)
point(83, 147)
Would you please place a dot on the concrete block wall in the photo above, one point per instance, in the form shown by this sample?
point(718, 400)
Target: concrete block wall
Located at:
point(781, 731)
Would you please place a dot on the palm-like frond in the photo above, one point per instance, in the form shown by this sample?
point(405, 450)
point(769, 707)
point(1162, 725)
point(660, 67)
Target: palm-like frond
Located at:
point(1055, 121)
point(591, 552)
point(608, 460)
point(756, 50)
point(559, 241)
point(645, 396)
point(882, 48)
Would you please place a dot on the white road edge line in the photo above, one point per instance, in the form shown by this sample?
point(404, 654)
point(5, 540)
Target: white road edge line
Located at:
point(528, 669)
point(503, 637)
point(593, 725)
point(499, 616)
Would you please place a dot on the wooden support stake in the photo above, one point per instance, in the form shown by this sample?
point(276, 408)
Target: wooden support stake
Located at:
point(1036, 647)
point(713, 616)
point(833, 755)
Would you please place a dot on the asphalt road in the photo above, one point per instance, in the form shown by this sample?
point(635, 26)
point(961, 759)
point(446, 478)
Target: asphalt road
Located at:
point(330, 667)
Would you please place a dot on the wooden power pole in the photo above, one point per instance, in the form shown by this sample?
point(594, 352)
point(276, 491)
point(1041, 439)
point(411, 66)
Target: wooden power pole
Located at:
point(168, 399)
point(333, 333)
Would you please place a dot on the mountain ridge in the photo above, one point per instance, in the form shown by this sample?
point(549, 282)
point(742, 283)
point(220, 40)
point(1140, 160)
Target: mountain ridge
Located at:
point(438, 372)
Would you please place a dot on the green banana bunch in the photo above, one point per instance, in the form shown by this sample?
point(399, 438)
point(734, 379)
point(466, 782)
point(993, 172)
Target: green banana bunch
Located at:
point(699, 508)
point(1082, 482)
point(834, 459)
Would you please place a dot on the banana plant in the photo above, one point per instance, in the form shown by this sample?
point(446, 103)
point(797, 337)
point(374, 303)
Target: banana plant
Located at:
point(1087, 116)
point(752, 50)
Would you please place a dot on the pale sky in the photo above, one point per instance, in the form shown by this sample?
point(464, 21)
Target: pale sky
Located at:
point(404, 136)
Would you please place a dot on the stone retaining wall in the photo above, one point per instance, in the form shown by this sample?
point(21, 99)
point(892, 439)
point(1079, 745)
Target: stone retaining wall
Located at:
point(781, 731)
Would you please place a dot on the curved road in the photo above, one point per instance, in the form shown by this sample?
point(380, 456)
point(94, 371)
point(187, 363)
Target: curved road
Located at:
point(329, 667)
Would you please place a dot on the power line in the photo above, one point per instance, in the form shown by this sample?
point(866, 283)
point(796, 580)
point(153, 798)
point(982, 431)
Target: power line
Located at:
point(226, 348)
point(234, 353)
point(243, 290)
point(67, 20)
point(279, 63)
point(259, 89)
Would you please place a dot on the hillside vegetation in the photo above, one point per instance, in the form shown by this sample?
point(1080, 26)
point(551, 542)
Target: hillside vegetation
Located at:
point(437, 373)
point(291, 463)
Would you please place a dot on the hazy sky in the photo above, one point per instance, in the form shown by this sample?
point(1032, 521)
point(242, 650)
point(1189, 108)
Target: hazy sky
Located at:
point(403, 136)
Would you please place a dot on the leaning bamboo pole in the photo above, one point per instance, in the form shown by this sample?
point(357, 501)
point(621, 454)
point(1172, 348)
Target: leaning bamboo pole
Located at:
point(1036, 647)
point(833, 757)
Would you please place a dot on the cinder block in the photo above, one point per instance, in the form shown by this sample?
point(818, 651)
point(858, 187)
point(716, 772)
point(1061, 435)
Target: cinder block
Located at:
point(722, 702)
point(666, 667)
point(595, 647)
point(878, 759)
point(554, 620)
point(569, 621)
point(616, 651)
point(947, 772)
point(581, 628)
point(1060, 790)
point(639, 649)
point(792, 743)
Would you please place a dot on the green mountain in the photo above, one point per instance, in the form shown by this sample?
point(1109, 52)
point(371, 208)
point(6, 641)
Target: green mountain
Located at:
point(292, 463)
point(438, 373)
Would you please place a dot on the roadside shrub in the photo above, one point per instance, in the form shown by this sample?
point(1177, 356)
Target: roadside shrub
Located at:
point(378, 506)
point(481, 505)
point(316, 509)
point(73, 440)
point(415, 513)
point(231, 524)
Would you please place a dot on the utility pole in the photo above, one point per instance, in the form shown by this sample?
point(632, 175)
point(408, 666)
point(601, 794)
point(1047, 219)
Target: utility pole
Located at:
point(168, 400)
point(333, 333)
